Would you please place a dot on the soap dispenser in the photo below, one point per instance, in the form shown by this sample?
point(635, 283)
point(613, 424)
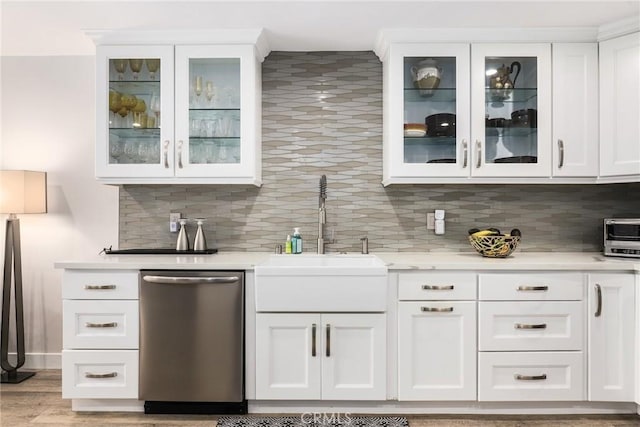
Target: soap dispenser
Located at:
point(200, 242)
point(183, 239)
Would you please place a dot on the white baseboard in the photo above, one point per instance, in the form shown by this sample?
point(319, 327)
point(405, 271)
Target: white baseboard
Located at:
point(35, 361)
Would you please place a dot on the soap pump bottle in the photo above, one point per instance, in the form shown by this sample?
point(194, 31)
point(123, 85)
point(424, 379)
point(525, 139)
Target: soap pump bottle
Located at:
point(183, 239)
point(296, 243)
point(200, 242)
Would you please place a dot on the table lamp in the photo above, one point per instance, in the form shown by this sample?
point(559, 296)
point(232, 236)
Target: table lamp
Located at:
point(20, 192)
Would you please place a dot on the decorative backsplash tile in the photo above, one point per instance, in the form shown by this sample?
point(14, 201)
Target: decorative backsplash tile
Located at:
point(322, 114)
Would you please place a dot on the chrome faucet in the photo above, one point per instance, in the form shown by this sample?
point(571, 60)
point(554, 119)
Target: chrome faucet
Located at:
point(322, 213)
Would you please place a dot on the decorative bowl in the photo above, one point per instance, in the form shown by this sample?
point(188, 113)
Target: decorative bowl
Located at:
point(494, 246)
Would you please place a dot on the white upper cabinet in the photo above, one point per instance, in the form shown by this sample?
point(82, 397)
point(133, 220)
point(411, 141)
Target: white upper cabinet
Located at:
point(426, 112)
point(511, 110)
point(178, 113)
point(620, 108)
point(575, 109)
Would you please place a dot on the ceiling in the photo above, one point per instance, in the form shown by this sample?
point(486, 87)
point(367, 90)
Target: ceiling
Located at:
point(46, 27)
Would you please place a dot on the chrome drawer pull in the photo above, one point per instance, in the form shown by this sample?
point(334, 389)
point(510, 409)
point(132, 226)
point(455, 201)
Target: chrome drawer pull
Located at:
point(328, 340)
point(598, 312)
point(437, 288)
point(530, 377)
point(107, 375)
point(527, 326)
point(533, 288)
point(101, 325)
point(313, 340)
point(99, 287)
point(437, 309)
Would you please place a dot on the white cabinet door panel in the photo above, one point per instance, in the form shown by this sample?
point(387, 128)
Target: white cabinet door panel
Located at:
point(575, 109)
point(611, 337)
point(286, 367)
point(620, 106)
point(354, 356)
point(437, 351)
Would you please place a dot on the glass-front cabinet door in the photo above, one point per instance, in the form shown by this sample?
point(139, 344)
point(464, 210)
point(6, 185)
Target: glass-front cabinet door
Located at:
point(511, 110)
point(134, 111)
point(427, 101)
point(217, 112)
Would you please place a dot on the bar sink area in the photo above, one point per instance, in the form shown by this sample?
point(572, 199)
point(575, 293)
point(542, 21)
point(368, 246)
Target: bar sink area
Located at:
point(321, 282)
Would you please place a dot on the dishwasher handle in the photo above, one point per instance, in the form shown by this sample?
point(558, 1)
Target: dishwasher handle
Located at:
point(189, 280)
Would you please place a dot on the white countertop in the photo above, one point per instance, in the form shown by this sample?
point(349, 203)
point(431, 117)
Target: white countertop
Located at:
point(394, 261)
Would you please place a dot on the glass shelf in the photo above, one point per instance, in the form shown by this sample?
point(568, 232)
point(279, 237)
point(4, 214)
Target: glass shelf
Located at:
point(135, 86)
point(514, 95)
point(135, 133)
point(428, 140)
point(430, 95)
point(511, 132)
point(231, 139)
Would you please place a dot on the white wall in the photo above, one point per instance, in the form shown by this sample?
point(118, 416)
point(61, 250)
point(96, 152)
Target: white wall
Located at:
point(48, 124)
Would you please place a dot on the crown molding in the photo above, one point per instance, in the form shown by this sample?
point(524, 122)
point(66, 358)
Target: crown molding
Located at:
point(619, 28)
point(388, 36)
point(254, 36)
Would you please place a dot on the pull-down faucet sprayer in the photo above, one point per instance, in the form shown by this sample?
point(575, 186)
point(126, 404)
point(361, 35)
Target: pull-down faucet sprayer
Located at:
point(322, 213)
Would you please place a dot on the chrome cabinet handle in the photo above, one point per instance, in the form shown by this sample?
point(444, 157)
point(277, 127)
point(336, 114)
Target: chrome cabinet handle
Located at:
point(465, 153)
point(328, 340)
point(313, 340)
point(107, 375)
point(99, 287)
point(533, 288)
point(165, 153)
point(101, 325)
point(530, 377)
point(437, 287)
point(598, 312)
point(437, 309)
point(479, 153)
point(561, 153)
point(180, 154)
point(530, 326)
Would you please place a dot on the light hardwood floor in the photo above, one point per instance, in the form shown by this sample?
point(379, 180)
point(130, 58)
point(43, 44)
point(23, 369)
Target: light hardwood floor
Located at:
point(38, 402)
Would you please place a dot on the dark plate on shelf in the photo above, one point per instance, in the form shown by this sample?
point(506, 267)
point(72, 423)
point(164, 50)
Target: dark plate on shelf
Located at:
point(517, 159)
point(441, 124)
point(160, 251)
point(442, 161)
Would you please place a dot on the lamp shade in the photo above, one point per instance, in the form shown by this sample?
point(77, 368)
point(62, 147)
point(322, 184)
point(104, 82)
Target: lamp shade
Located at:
point(23, 192)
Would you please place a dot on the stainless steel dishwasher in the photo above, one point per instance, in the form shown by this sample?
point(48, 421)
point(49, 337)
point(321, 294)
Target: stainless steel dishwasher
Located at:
point(192, 342)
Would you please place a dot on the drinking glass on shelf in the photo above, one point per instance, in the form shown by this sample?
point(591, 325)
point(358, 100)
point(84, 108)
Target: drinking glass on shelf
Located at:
point(197, 88)
point(211, 127)
point(115, 151)
point(153, 64)
point(210, 91)
point(154, 106)
point(131, 151)
point(115, 103)
point(194, 128)
point(136, 66)
point(121, 66)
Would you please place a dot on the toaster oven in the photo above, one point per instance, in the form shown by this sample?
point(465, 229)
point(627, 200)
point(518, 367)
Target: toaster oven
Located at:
point(622, 237)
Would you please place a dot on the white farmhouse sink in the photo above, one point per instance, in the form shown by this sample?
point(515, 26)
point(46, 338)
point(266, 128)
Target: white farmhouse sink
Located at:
point(324, 283)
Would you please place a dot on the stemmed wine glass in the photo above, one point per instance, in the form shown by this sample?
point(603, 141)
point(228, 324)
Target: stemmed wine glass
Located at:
point(115, 103)
point(136, 66)
point(197, 88)
point(121, 66)
point(210, 91)
point(152, 66)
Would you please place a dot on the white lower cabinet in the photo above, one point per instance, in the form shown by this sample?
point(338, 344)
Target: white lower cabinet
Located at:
point(437, 350)
point(100, 334)
point(328, 356)
point(612, 356)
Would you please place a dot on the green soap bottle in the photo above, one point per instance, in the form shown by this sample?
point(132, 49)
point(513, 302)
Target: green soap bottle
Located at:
point(287, 245)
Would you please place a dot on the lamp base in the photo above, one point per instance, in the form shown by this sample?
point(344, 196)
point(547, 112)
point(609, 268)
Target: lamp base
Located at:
point(15, 377)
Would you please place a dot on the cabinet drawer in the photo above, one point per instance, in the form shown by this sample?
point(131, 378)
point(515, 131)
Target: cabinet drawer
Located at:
point(92, 374)
point(100, 324)
point(81, 284)
point(437, 286)
point(518, 376)
point(531, 286)
point(530, 325)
